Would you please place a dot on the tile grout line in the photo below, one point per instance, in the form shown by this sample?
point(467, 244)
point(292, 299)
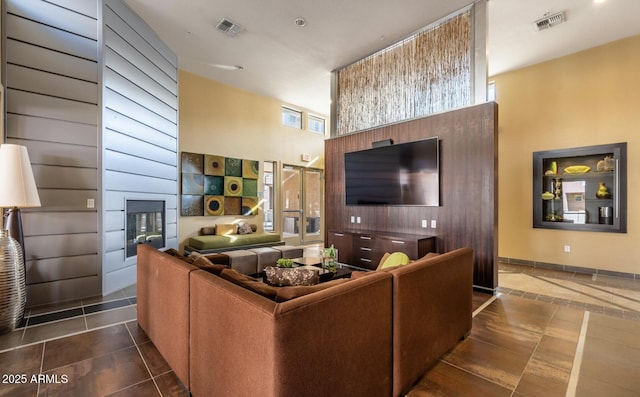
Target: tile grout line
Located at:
point(64, 336)
point(44, 346)
point(577, 360)
point(535, 349)
point(483, 306)
point(144, 361)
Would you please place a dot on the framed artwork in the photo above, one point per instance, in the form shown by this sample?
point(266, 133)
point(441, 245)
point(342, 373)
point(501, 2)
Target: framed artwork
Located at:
point(217, 185)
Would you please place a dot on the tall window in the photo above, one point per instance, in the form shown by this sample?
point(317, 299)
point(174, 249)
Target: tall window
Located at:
point(291, 118)
point(491, 91)
point(269, 195)
point(316, 124)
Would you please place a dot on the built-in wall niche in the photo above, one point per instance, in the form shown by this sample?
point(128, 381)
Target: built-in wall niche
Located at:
point(583, 188)
point(217, 185)
point(145, 224)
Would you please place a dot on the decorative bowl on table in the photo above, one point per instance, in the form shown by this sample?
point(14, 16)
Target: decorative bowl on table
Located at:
point(286, 276)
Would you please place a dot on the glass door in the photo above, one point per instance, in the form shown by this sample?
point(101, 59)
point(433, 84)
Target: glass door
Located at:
point(302, 203)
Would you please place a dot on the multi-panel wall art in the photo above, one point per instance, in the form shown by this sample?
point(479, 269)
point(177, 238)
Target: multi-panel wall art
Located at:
point(217, 185)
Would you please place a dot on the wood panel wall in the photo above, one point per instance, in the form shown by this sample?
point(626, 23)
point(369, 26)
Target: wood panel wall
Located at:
point(140, 133)
point(467, 216)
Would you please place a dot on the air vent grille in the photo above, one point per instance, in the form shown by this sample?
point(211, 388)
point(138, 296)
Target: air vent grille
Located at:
point(229, 27)
point(549, 21)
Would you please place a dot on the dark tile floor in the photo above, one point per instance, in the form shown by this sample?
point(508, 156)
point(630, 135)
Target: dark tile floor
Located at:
point(546, 333)
point(520, 345)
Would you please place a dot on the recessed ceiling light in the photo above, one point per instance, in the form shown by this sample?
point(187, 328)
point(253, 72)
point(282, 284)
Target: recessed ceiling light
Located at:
point(300, 22)
point(227, 67)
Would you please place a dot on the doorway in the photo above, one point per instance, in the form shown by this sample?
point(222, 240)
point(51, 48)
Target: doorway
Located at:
point(302, 204)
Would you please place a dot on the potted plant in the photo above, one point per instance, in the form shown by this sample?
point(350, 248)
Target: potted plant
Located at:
point(284, 262)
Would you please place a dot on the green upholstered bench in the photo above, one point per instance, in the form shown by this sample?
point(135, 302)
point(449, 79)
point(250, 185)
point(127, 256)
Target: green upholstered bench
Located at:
point(212, 243)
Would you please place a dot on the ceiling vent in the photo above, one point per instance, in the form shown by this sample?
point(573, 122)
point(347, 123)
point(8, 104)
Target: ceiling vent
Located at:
point(549, 20)
point(229, 27)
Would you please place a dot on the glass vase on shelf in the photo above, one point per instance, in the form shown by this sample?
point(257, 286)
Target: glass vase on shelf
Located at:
point(330, 258)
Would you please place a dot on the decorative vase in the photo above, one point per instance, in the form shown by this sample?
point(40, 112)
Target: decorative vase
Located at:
point(330, 259)
point(557, 188)
point(609, 163)
point(603, 192)
point(12, 284)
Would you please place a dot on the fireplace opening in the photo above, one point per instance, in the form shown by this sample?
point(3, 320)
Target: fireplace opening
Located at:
point(145, 224)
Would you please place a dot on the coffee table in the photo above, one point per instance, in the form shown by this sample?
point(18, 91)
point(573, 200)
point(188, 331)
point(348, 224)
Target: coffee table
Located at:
point(342, 270)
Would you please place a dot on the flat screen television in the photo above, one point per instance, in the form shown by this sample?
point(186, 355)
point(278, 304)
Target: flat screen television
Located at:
point(402, 174)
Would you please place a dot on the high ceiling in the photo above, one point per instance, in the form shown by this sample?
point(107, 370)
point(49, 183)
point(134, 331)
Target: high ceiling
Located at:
point(293, 64)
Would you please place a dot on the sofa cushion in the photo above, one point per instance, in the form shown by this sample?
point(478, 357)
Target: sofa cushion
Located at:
point(249, 283)
point(234, 240)
point(226, 229)
point(287, 293)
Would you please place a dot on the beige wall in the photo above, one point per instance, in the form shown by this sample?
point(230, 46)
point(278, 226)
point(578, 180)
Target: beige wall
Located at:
point(221, 120)
point(589, 98)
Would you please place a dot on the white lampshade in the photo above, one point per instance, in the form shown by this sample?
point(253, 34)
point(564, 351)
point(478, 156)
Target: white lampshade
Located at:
point(17, 185)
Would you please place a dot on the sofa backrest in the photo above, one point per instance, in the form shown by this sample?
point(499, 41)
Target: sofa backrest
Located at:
point(432, 300)
point(342, 334)
point(163, 305)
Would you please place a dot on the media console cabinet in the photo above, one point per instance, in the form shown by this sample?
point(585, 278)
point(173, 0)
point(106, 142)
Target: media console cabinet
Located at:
point(366, 248)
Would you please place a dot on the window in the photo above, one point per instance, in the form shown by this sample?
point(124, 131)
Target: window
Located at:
point(269, 195)
point(491, 91)
point(291, 118)
point(316, 124)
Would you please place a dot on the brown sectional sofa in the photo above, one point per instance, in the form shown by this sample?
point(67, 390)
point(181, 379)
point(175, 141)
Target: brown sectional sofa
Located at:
point(372, 335)
point(432, 309)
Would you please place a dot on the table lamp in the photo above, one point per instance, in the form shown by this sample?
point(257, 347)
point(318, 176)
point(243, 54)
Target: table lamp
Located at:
point(17, 189)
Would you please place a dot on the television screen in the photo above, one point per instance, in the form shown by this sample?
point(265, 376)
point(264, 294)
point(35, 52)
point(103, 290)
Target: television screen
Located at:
point(402, 174)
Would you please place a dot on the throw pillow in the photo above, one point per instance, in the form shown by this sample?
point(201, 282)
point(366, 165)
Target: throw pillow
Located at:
point(173, 252)
point(430, 255)
point(249, 283)
point(226, 229)
point(359, 274)
point(208, 231)
point(244, 228)
point(205, 264)
point(393, 260)
point(382, 260)
point(287, 293)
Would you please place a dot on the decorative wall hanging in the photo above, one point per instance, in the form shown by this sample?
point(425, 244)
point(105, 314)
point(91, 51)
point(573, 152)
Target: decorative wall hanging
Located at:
point(218, 185)
point(426, 73)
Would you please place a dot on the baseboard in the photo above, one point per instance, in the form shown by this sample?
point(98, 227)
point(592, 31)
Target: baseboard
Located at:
point(569, 268)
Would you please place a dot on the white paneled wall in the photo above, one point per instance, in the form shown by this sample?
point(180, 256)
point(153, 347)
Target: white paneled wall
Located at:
point(92, 92)
point(51, 83)
point(140, 133)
